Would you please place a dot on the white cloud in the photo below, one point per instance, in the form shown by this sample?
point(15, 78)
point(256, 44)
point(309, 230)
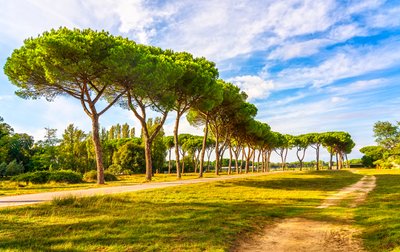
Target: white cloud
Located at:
point(357, 86)
point(254, 86)
point(347, 62)
point(298, 49)
point(135, 17)
point(336, 99)
point(22, 19)
point(222, 29)
point(344, 32)
point(295, 49)
point(385, 18)
point(360, 6)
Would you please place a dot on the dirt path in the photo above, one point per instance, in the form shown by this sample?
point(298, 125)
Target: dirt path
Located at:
point(303, 235)
point(28, 199)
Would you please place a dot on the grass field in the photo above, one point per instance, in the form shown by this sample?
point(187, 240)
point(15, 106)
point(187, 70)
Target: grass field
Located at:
point(8, 188)
point(200, 217)
point(380, 215)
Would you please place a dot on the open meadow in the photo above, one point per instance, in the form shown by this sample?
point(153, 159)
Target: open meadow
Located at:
point(201, 217)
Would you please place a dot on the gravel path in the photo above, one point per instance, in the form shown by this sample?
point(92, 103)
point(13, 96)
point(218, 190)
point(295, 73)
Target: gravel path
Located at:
point(28, 199)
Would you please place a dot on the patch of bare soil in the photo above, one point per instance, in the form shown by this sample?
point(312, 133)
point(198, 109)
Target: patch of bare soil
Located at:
point(303, 235)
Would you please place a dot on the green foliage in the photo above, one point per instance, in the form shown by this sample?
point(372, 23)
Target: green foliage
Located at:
point(130, 156)
point(14, 168)
point(3, 169)
point(38, 177)
point(116, 169)
point(371, 155)
point(387, 134)
point(91, 176)
point(65, 176)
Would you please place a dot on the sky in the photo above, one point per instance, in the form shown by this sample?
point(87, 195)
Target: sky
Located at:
point(308, 66)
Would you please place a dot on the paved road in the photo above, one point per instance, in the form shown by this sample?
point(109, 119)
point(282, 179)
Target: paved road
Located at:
point(28, 199)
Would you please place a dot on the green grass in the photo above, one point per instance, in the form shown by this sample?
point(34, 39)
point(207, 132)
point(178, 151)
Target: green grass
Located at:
point(8, 188)
point(200, 217)
point(380, 215)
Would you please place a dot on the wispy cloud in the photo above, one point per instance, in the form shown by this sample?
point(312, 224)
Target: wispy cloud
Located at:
point(254, 86)
point(346, 62)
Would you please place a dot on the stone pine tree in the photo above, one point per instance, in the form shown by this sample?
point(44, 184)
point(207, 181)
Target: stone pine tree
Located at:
point(75, 63)
point(148, 84)
point(195, 84)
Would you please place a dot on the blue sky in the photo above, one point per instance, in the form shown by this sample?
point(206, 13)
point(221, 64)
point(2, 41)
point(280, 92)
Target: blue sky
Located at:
point(308, 66)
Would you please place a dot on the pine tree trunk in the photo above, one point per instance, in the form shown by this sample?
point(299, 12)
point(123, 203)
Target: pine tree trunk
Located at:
point(203, 149)
point(98, 150)
point(177, 161)
point(169, 161)
point(230, 160)
point(147, 152)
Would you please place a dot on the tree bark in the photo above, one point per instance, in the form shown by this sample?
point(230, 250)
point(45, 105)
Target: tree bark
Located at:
point(98, 150)
point(230, 160)
point(216, 158)
point(169, 161)
point(269, 152)
point(203, 149)
point(258, 160)
point(147, 153)
point(177, 161)
point(252, 161)
point(337, 161)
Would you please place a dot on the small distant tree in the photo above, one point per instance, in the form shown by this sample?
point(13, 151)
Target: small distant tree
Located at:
point(371, 155)
point(301, 144)
point(169, 144)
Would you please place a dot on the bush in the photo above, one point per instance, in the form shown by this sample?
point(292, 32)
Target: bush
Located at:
point(91, 176)
point(39, 177)
point(67, 176)
point(109, 177)
point(118, 170)
point(3, 168)
point(14, 168)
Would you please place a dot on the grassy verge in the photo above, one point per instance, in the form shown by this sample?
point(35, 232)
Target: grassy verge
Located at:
point(8, 188)
point(380, 215)
point(200, 217)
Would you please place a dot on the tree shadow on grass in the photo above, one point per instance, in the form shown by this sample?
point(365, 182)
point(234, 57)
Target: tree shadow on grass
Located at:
point(141, 226)
point(327, 181)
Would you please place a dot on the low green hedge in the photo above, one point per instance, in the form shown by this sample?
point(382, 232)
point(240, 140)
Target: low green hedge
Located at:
point(42, 177)
point(91, 176)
